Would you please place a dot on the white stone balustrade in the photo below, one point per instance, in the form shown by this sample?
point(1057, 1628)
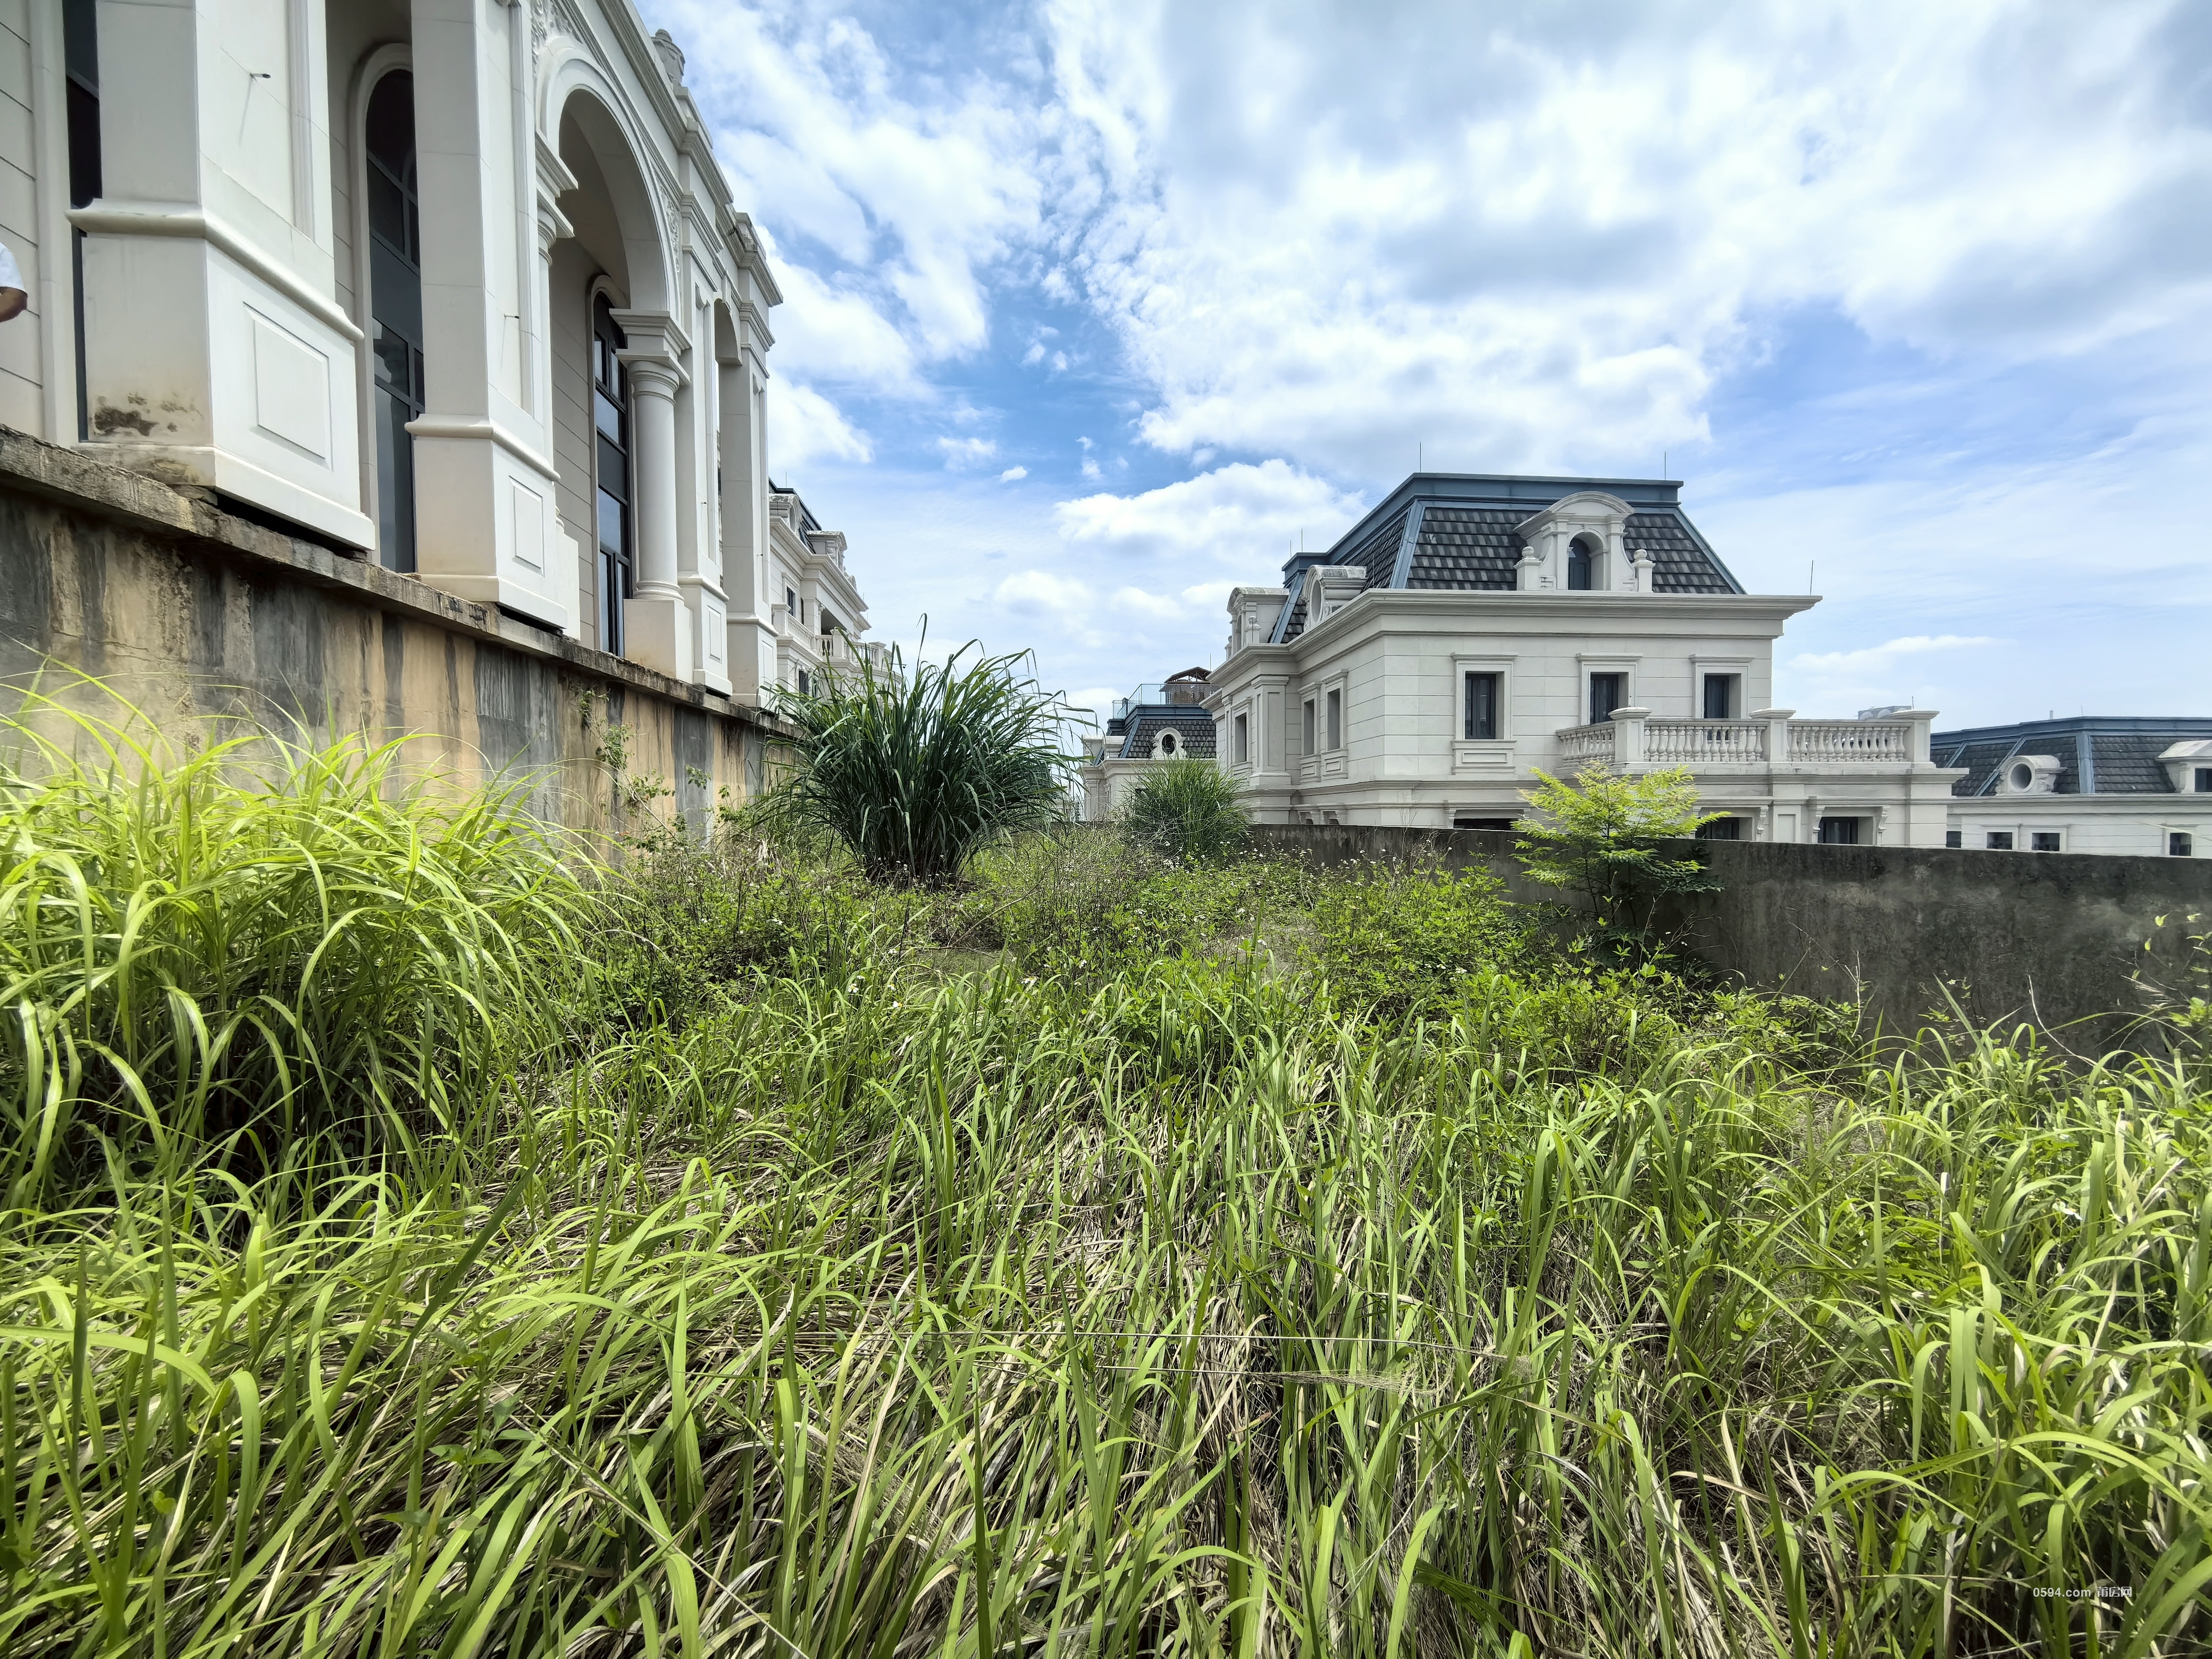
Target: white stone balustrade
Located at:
point(1633, 739)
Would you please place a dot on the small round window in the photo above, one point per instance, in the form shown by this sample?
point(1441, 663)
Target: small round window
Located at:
point(1167, 743)
point(2023, 775)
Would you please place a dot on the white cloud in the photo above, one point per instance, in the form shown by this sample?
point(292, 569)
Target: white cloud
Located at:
point(803, 426)
point(1039, 592)
point(1239, 517)
point(1874, 658)
point(1012, 473)
point(966, 451)
point(1562, 223)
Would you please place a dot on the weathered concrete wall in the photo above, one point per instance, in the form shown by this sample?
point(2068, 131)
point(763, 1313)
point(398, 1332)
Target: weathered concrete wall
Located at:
point(2053, 939)
point(208, 624)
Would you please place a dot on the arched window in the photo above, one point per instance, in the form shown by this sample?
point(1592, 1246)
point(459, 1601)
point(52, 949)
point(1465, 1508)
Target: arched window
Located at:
point(1168, 743)
point(1578, 567)
point(610, 419)
point(395, 306)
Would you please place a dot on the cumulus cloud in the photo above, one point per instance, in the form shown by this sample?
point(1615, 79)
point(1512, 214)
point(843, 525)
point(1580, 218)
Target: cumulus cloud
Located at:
point(803, 425)
point(1012, 474)
point(966, 451)
point(1561, 224)
point(1240, 517)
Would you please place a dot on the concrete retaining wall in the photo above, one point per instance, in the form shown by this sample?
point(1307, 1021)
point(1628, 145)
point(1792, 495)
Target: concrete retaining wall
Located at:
point(208, 624)
point(2055, 939)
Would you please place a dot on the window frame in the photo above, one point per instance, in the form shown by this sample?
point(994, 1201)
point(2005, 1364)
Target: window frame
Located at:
point(1481, 754)
point(612, 621)
point(1332, 707)
point(1240, 734)
point(1586, 662)
point(1821, 837)
point(1998, 840)
point(1310, 728)
point(2180, 844)
point(2056, 837)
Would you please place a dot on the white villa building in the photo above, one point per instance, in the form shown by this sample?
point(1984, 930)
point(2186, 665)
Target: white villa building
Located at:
point(454, 285)
point(1473, 628)
point(2083, 784)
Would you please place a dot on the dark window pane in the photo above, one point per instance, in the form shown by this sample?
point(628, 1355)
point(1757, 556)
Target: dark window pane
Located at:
point(614, 471)
point(1722, 829)
point(613, 525)
point(2043, 840)
point(1606, 693)
point(2178, 845)
point(1482, 823)
point(1839, 832)
point(1955, 838)
point(2204, 780)
point(1578, 567)
point(395, 479)
point(1482, 705)
point(1717, 698)
point(1998, 840)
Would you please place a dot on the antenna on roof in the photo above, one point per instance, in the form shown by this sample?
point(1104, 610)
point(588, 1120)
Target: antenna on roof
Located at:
point(1663, 455)
point(1810, 565)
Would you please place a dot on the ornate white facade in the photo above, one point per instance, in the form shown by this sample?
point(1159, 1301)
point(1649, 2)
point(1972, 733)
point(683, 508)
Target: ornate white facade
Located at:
point(1473, 629)
point(455, 284)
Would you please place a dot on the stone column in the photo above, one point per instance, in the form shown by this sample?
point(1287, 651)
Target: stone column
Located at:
point(660, 635)
point(1777, 734)
point(1628, 738)
point(487, 526)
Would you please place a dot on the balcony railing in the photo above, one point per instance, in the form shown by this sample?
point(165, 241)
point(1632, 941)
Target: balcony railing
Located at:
point(1632, 738)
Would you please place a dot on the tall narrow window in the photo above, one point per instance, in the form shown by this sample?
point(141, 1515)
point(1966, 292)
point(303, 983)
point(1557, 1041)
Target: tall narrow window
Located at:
point(1243, 747)
point(1336, 719)
point(1309, 734)
point(81, 61)
point(1482, 705)
point(1578, 567)
point(1720, 697)
point(395, 307)
point(610, 419)
point(1607, 692)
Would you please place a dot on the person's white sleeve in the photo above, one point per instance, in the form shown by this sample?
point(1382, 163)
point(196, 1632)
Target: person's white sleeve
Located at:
point(10, 274)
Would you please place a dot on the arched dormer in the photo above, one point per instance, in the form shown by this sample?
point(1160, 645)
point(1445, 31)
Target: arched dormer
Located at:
point(1579, 544)
point(1167, 746)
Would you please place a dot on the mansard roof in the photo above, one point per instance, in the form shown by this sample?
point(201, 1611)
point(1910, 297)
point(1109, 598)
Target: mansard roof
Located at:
point(1455, 531)
point(1193, 730)
point(2122, 751)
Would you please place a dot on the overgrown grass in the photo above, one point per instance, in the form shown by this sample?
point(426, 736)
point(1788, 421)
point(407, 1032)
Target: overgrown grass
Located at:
point(1156, 1295)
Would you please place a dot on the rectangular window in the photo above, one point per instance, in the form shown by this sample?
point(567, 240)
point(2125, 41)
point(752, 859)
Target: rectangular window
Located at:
point(1998, 840)
point(2204, 780)
point(1309, 725)
point(1722, 829)
point(1720, 697)
point(1481, 824)
point(1608, 693)
point(1955, 838)
point(1839, 832)
point(1336, 719)
point(2178, 844)
point(1482, 705)
point(2042, 840)
point(1242, 749)
point(791, 603)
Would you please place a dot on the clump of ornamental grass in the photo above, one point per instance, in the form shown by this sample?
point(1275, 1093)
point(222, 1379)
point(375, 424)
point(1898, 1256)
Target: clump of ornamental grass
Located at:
point(231, 956)
point(917, 770)
point(1187, 810)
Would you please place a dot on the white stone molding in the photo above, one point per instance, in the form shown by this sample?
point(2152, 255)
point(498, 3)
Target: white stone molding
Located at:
point(109, 217)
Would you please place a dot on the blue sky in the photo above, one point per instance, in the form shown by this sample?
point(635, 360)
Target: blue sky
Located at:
point(1094, 308)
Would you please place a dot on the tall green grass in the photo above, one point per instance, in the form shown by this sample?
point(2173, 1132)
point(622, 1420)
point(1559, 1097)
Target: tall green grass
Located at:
point(1181, 1308)
point(257, 951)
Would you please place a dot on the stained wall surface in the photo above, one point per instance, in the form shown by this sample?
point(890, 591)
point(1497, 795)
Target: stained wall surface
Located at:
point(208, 625)
point(2056, 939)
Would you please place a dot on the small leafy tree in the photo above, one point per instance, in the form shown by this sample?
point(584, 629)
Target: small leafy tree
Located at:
point(916, 772)
point(1188, 809)
point(1603, 836)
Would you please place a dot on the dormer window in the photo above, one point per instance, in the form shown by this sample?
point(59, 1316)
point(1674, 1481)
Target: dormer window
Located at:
point(1167, 745)
point(1579, 565)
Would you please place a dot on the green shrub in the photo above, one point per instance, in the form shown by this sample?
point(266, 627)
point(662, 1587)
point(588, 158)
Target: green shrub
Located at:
point(1601, 837)
point(1188, 809)
point(261, 950)
point(1395, 940)
point(917, 772)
